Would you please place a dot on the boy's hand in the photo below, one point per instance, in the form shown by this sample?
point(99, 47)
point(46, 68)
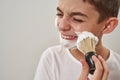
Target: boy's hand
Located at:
point(101, 72)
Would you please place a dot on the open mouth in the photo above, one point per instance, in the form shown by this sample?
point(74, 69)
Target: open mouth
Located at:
point(69, 37)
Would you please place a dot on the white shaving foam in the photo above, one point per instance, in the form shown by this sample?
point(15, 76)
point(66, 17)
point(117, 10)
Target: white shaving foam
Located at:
point(56, 22)
point(67, 43)
point(84, 35)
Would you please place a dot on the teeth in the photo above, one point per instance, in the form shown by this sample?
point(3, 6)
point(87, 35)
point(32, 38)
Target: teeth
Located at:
point(68, 37)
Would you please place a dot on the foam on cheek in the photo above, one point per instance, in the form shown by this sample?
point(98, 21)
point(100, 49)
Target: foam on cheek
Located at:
point(60, 39)
point(83, 35)
point(56, 22)
point(78, 33)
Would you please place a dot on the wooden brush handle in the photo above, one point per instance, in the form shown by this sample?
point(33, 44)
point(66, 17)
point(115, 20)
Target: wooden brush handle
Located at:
point(88, 57)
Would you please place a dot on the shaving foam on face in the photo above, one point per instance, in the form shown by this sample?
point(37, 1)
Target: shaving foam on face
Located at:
point(78, 33)
point(84, 35)
point(56, 22)
point(66, 43)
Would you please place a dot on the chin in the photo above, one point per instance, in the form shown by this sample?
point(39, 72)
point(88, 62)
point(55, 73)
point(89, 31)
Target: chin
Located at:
point(67, 43)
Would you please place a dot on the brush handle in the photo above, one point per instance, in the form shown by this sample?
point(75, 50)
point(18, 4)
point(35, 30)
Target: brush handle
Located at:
point(88, 57)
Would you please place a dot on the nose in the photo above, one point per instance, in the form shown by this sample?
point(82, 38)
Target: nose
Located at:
point(64, 24)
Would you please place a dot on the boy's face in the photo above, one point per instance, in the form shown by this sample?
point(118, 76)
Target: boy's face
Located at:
point(77, 16)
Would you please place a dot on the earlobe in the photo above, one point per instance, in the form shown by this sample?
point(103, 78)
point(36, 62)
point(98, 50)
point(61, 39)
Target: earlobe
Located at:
point(110, 25)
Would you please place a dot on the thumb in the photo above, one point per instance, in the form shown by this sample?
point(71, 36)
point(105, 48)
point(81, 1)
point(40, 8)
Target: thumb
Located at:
point(85, 70)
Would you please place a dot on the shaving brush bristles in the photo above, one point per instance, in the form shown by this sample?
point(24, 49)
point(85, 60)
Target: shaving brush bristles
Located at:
point(87, 43)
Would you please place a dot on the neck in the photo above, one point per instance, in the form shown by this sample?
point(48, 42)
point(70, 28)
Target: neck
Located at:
point(101, 50)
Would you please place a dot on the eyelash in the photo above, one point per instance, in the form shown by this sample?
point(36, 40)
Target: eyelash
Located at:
point(58, 14)
point(78, 20)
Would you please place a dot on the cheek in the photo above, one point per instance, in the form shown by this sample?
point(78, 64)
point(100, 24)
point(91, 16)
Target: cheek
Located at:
point(91, 28)
point(79, 28)
point(84, 28)
point(97, 30)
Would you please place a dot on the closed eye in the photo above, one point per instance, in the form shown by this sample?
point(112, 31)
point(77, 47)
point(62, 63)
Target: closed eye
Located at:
point(58, 14)
point(78, 20)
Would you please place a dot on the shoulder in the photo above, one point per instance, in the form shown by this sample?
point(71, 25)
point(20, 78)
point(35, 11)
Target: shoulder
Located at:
point(52, 52)
point(115, 55)
point(113, 63)
point(114, 58)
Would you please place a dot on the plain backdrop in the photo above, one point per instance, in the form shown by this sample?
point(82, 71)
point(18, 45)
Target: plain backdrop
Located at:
point(26, 30)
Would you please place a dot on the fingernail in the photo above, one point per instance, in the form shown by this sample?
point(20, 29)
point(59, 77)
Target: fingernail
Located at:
point(99, 56)
point(94, 57)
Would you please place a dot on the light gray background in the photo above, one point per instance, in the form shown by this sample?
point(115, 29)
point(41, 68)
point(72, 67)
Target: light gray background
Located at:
point(26, 30)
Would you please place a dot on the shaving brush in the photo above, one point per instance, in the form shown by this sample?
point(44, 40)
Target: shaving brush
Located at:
point(86, 43)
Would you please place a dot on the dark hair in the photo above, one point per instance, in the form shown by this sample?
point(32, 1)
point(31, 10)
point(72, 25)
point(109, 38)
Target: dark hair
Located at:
point(106, 8)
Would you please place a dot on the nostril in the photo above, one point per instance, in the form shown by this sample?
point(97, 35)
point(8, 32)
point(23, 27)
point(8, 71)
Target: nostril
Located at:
point(64, 26)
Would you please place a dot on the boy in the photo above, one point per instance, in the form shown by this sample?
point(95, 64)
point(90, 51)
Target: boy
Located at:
point(61, 63)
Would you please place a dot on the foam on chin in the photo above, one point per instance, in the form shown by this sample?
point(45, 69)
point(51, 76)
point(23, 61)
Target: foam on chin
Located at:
point(67, 43)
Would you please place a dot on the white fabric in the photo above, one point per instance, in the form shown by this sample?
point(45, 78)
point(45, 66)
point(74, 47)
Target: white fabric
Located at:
point(57, 63)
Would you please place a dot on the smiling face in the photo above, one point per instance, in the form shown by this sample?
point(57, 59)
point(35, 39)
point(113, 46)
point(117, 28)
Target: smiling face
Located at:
point(77, 16)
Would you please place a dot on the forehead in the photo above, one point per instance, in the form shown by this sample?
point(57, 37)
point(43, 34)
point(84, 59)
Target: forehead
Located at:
point(76, 6)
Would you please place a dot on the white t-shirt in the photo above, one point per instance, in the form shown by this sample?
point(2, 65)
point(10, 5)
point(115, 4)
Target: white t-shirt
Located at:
point(57, 63)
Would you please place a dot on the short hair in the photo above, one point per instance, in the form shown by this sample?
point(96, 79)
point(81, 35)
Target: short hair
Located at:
point(106, 8)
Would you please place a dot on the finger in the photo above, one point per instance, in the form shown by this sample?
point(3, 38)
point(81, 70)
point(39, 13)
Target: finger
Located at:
point(105, 68)
point(99, 69)
point(85, 70)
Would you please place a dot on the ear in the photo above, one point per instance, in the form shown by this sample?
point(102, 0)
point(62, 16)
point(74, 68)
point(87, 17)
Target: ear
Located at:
point(111, 24)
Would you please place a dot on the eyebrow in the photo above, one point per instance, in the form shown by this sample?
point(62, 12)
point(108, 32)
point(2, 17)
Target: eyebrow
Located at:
point(58, 9)
point(78, 14)
point(74, 13)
